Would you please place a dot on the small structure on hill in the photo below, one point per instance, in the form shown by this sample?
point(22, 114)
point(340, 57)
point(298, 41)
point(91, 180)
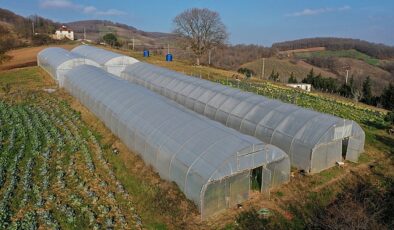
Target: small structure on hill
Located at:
point(303, 86)
point(63, 32)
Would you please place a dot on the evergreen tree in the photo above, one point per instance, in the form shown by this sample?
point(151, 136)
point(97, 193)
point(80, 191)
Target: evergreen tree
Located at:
point(247, 72)
point(292, 79)
point(111, 39)
point(387, 98)
point(311, 74)
point(274, 76)
point(346, 91)
point(309, 78)
point(367, 91)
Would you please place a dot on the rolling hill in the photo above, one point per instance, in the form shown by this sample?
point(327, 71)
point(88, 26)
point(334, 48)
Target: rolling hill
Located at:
point(285, 67)
point(22, 27)
point(97, 28)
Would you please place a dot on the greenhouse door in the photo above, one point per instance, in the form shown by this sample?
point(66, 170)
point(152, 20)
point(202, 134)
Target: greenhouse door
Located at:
point(261, 179)
point(256, 179)
point(345, 143)
point(265, 180)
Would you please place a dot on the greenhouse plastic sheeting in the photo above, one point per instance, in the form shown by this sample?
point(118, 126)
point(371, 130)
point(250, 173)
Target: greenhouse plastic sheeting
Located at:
point(182, 146)
point(113, 63)
point(314, 141)
point(57, 61)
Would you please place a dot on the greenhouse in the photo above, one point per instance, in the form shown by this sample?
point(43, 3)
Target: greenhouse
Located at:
point(113, 63)
point(211, 163)
point(314, 141)
point(57, 61)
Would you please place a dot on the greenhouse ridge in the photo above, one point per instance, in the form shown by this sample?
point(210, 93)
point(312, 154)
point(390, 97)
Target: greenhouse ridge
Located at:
point(177, 124)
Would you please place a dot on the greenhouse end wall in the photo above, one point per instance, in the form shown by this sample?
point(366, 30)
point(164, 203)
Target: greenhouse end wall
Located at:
point(179, 144)
point(57, 62)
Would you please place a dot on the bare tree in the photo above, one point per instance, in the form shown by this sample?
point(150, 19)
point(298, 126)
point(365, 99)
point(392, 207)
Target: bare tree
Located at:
point(200, 30)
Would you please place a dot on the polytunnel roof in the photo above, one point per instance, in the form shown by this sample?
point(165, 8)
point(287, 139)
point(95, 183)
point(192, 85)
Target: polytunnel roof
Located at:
point(181, 145)
point(101, 56)
point(250, 113)
point(55, 56)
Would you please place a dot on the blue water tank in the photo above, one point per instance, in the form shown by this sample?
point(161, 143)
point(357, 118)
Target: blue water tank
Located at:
point(169, 57)
point(146, 53)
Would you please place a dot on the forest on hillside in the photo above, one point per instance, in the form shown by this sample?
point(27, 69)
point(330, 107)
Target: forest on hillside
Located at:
point(17, 31)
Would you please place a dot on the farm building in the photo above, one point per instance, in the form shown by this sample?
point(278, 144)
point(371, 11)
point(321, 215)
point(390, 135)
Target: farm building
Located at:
point(111, 62)
point(303, 86)
point(57, 61)
point(314, 141)
point(212, 164)
point(62, 33)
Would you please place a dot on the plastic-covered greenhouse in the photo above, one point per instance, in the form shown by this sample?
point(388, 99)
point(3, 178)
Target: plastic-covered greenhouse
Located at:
point(57, 61)
point(211, 163)
point(112, 62)
point(314, 141)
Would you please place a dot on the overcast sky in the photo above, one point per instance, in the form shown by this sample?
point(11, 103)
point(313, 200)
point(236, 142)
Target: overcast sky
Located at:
point(248, 21)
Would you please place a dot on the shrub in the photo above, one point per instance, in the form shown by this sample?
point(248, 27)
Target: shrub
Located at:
point(390, 117)
point(250, 220)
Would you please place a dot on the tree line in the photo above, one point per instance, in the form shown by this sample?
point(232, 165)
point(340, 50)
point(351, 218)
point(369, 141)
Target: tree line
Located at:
point(17, 31)
point(350, 90)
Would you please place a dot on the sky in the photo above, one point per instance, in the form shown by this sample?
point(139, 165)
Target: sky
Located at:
point(261, 22)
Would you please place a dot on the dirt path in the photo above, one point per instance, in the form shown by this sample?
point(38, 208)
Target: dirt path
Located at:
point(27, 56)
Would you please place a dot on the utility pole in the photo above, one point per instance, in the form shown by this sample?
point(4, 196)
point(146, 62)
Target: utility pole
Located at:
point(168, 48)
point(347, 68)
point(347, 75)
point(132, 39)
point(84, 34)
point(32, 24)
point(209, 57)
point(263, 69)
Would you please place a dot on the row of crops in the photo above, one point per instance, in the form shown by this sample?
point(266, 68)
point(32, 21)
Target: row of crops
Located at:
point(54, 173)
point(342, 109)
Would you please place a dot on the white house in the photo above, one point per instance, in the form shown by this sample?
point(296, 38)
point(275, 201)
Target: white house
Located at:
point(63, 32)
point(303, 86)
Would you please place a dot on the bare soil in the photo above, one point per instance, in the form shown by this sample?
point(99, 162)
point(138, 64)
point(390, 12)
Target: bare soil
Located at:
point(26, 56)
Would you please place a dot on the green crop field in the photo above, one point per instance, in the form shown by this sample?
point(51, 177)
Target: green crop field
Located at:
point(344, 109)
point(53, 172)
point(341, 53)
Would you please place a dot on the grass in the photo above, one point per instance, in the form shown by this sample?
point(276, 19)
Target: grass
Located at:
point(341, 53)
point(21, 78)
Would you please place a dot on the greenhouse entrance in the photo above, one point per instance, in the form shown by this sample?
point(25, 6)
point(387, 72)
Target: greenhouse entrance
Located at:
point(345, 143)
point(261, 179)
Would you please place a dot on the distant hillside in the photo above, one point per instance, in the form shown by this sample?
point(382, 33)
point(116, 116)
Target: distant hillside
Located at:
point(338, 54)
point(285, 67)
point(23, 26)
point(95, 29)
point(330, 43)
point(330, 66)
